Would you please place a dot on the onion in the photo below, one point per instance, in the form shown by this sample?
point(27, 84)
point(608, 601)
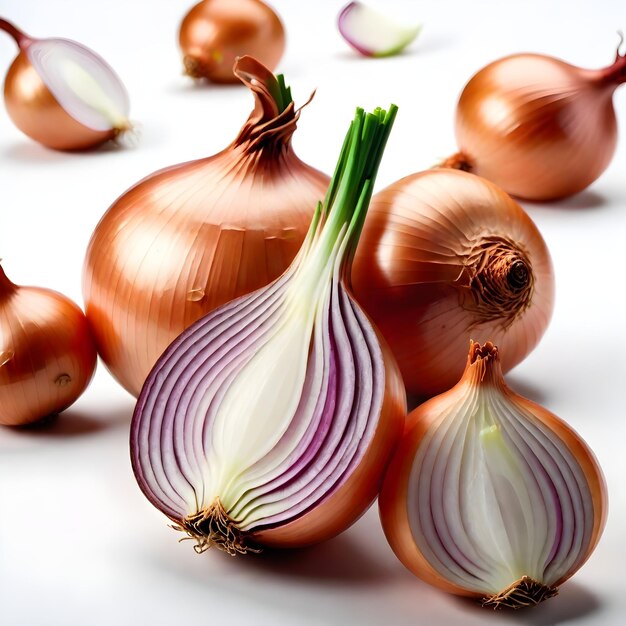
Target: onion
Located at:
point(215, 32)
point(446, 257)
point(490, 495)
point(270, 420)
point(47, 356)
point(538, 127)
point(193, 236)
point(62, 94)
point(373, 34)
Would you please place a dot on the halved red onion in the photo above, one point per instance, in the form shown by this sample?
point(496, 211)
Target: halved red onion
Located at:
point(490, 495)
point(270, 420)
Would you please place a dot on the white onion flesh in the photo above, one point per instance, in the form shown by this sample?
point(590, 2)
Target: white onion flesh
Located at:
point(82, 82)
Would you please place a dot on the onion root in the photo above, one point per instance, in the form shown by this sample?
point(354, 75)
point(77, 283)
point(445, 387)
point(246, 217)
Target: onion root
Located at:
point(214, 528)
point(522, 593)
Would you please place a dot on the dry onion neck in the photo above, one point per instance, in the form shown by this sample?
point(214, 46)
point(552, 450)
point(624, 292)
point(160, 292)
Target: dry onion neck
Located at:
point(21, 38)
point(273, 120)
point(615, 74)
point(6, 286)
point(497, 280)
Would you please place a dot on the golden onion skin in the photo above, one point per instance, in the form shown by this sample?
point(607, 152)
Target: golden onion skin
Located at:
point(215, 32)
point(193, 236)
point(436, 267)
point(47, 354)
point(538, 127)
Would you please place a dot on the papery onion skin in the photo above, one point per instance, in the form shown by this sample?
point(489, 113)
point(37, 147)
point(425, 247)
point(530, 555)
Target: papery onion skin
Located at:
point(193, 236)
point(37, 113)
point(215, 32)
point(437, 267)
point(393, 499)
point(47, 355)
point(538, 127)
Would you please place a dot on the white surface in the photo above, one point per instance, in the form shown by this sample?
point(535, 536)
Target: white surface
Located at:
point(79, 544)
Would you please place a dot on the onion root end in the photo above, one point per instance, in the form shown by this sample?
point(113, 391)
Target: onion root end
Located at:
point(522, 593)
point(213, 528)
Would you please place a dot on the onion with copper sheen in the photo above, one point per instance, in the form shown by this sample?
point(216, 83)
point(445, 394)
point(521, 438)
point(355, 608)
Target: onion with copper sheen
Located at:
point(269, 422)
point(47, 355)
point(538, 127)
point(445, 257)
point(62, 94)
point(490, 495)
point(193, 236)
point(215, 32)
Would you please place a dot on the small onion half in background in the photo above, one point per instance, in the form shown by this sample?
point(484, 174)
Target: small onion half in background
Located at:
point(445, 257)
point(196, 235)
point(62, 94)
point(47, 355)
point(215, 32)
point(537, 126)
point(489, 495)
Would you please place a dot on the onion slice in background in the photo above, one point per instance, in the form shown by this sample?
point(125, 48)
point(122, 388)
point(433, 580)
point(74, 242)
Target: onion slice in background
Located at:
point(491, 496)
point(62, 94)
point(373, 34)
point(47, 355)
point(270, 420)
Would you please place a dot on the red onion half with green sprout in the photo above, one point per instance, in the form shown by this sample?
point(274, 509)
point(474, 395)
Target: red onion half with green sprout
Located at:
point(270, 420)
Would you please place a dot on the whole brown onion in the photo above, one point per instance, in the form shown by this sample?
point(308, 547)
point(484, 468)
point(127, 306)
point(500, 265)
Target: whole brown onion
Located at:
point(215, 32)
point(196, 235)
point(47, 355)
point(446, 257)
point(536, 126)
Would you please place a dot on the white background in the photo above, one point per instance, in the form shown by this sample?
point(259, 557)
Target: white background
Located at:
point(79, 544)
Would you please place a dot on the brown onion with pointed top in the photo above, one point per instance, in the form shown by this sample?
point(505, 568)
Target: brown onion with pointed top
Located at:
point(47, 355)
point(62, 94)
point(540, 128)
point(215, 32)
point(445, 257)
point(193, 236)
point(491, 496)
